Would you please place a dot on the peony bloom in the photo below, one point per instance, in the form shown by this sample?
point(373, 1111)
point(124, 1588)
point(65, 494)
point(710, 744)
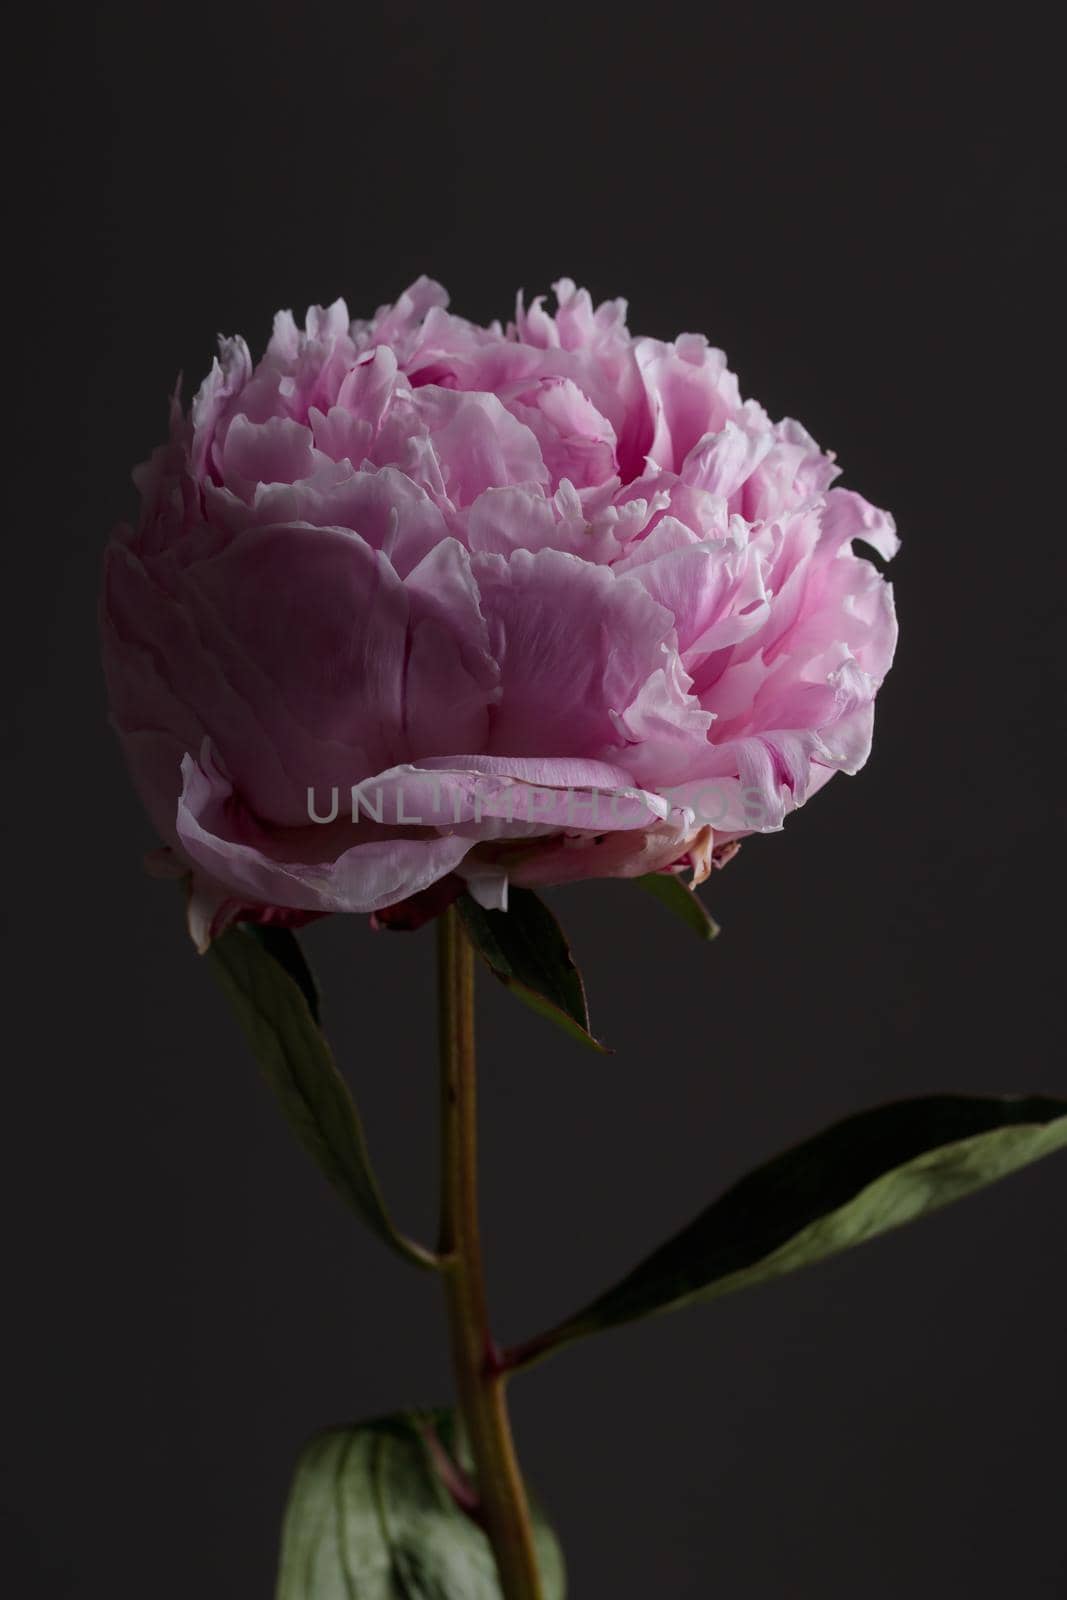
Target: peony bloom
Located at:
point(413, 604)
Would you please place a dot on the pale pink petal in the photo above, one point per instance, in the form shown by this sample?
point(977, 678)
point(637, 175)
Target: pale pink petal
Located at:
point(691, 393)
point(234, 853)
point(574, 644)
point(479, 444)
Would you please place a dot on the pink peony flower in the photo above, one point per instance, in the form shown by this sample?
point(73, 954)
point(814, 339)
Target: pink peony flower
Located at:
point(415, 603)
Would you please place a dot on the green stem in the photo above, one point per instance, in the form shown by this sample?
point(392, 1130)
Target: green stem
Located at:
point(503, 1506)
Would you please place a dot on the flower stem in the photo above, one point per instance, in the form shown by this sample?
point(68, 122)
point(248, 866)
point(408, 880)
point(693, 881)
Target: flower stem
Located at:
point(503, 1507)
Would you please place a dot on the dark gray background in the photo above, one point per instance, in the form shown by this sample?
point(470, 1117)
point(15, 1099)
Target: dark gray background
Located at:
point(860, 211)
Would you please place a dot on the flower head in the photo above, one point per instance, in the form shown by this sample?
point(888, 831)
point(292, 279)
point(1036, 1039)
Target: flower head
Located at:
point(414, 601)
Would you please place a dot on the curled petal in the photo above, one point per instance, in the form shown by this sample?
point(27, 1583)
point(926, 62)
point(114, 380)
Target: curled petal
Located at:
point(227, 846)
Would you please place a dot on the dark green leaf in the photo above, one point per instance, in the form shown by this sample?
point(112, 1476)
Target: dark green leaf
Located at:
point(370, 1518)
point(683, 901)
point(857, 1179)
point(273, 1008)
point(524, 946)
point(284, 946)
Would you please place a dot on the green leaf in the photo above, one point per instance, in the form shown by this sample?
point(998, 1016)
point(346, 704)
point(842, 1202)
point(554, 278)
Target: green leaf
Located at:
point(682, 900)
point(525, 948)
point(857, 1179)
point(271, 990)
point(370, 1518)
point(283, 945)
